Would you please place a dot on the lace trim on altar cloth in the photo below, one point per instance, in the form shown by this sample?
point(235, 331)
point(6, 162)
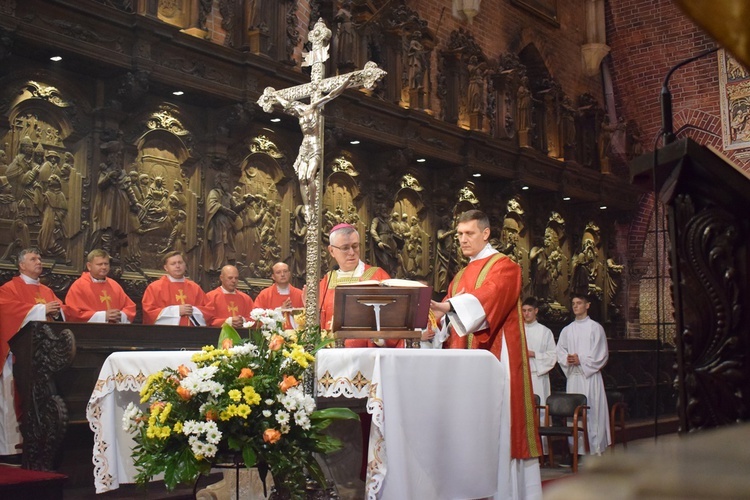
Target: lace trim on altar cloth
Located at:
point(349, 387)
point(376, 467)
point(103, 477)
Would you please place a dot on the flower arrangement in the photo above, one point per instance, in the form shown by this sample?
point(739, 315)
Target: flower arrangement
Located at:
point(242, 399)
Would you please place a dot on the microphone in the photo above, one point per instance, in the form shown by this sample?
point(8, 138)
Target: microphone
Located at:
point(328, 284)
point(665, 98)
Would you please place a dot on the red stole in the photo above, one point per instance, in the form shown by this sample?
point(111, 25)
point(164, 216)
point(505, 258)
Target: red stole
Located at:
point(499, 293)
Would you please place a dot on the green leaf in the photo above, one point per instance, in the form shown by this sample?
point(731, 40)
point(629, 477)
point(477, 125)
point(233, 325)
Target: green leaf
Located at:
point(314, 467)
point(228, 332)
point(327, 444)
point(334, 414)
point(248, 455)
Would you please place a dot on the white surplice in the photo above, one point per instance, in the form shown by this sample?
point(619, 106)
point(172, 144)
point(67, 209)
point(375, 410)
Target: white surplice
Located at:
point(586, 338)
point(539, 339)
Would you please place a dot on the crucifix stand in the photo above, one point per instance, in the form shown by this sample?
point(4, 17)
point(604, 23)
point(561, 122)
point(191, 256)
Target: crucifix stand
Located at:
point(310, 157)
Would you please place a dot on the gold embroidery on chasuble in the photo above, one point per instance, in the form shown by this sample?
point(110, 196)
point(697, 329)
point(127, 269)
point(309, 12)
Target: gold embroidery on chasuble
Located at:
point(39, 299)
point(180, 296)
point(105, 298)
point(232, 308)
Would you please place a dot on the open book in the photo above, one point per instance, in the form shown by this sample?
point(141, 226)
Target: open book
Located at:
point(388, 282)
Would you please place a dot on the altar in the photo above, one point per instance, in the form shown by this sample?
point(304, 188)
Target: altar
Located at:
point(436, 416)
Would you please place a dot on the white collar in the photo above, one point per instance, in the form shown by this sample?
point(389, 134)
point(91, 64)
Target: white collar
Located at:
point(227, 291)
point(485, 252)
point(29, 280)
point(283, 291)
point(174, 280)
point(355, 273)
point(96, 280)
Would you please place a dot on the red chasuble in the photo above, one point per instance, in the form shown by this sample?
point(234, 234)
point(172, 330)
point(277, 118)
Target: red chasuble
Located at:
point(326, 294)
point(227, 305)
point(163, 292)
point(270, 298)
point(499, 293)
point(85, 297)
point(16, 300)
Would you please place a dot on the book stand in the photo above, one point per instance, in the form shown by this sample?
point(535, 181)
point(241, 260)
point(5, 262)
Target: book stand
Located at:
point(364, 312)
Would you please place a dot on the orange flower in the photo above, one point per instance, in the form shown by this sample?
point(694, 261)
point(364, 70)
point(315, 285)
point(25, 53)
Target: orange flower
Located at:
point(183, 371)
point(227, 344)
point(276, 342)
point(157, 404)
point(212, 415)
point(288, 382)
point(270, 436)
point(246, 373)
point(184, 393)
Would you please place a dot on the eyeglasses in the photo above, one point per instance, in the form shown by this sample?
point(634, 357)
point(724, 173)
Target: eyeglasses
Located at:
point(346, 248)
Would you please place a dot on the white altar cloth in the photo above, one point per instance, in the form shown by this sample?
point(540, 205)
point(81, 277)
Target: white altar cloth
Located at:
point(436, 418)
point(120, 381)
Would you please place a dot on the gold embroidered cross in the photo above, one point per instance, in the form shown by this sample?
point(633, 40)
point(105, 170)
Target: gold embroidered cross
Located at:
point(180, 296)
point(232, 308)
point(105, 298)
point(39, 299)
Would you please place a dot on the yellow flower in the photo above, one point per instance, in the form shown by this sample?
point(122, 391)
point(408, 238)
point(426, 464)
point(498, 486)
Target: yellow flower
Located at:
point(235, 395)
point(243, 411)
point(177, 427)
point(165, 414)
point(251, 397)
point(148, 390)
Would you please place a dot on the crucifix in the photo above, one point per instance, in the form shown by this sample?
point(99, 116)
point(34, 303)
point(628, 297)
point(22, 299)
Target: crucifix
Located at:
point(310, 157)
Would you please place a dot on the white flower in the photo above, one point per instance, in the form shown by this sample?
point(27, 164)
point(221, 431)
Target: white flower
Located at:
point(269, 402)
point(209, 450)
point(282, 417)
point(285, 428)
point(266, 413)
point(129, 422)
point(301, 419)
point(213, 434)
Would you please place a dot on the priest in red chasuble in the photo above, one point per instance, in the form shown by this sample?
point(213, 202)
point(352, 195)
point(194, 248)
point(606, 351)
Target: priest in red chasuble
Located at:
point(482, 310)
point(95, 298)
point(344, 248)
point(281, 294)
point(22, 299)
point(229, 305)
point(174, 299)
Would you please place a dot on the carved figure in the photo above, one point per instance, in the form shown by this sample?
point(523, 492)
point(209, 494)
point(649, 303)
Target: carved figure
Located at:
point(509, 240)
point(446, 259)
point(8, 204)
point(52, 235)
point(382, 243)
point(546, 266)
point(344, 34)
point(476, 96)
point(417, 58)
point(586, 265)
point(155, 209)
point(177, 240)
point(113, 202)
point(222, 222)
point(20, 165)
point(3, 162)
point(49, 167)
point(524, 105)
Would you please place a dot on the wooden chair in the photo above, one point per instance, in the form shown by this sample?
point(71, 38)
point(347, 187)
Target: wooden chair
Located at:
point(617, 409)
point(559, 408)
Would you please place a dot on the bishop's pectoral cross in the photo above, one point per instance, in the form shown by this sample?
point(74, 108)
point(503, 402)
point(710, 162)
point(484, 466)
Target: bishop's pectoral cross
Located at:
point(180, 296)
point(310, 156)
point(105, 298)
point(233, 309)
